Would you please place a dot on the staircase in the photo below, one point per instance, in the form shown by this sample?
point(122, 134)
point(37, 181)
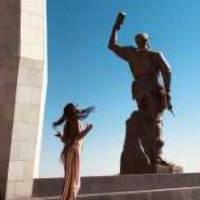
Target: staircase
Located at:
point(126, 187)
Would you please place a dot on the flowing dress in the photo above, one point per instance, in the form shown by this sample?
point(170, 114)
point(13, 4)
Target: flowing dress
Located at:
point(72, 164)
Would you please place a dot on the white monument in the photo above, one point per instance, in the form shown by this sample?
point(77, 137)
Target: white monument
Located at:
point(23, 82)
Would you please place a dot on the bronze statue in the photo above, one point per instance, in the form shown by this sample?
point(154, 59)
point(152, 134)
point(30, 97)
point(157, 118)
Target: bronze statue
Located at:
point(151, 90)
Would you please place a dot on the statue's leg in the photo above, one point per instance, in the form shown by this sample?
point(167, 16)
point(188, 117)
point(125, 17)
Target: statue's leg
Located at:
point(151, 137)
point(151, 108)
point(157, 141)
point(152, 142)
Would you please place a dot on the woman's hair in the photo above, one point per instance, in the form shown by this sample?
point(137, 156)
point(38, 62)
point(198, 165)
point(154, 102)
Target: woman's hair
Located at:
point(70, 110)
point(83, 114)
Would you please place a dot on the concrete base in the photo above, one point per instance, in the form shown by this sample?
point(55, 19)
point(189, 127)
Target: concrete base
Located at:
point(126, 187)
point(164, 194)
point(142, 150)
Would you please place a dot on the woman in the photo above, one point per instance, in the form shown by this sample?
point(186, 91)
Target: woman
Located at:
point(72, 138)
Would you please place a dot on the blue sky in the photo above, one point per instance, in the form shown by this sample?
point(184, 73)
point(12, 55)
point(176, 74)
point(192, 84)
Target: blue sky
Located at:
point(84, 71)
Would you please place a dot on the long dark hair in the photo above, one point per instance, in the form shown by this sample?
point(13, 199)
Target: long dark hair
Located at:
point(71, 110)
point(71, 115)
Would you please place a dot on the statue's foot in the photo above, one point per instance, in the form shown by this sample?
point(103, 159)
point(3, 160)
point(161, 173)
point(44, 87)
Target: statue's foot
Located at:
point(170, 168)
point(161, 161)
point(163, 166)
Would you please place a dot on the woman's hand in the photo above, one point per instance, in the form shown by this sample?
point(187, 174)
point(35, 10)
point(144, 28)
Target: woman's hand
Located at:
point(85, 131)
point(88, 127)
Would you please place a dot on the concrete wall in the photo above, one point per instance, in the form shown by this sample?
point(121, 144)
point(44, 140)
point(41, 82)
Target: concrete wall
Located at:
point(23, 81)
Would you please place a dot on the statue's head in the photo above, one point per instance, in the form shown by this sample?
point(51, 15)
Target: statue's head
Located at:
point(142, 39)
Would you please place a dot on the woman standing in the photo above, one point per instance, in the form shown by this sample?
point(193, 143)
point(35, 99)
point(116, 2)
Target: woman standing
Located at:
point(72, 138)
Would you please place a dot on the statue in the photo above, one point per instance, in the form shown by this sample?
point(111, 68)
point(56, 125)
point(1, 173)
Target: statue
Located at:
point(151, 90)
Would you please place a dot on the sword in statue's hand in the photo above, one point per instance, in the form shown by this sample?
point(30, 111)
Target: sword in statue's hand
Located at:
point(170, 108)
point(169, 105)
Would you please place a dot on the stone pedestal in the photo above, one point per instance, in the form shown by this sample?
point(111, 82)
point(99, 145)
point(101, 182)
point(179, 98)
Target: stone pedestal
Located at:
point(133, 159)
point(142, 142)
point(23, 81)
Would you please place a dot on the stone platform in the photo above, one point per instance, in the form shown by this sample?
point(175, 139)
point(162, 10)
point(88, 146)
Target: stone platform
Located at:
point(126, 187)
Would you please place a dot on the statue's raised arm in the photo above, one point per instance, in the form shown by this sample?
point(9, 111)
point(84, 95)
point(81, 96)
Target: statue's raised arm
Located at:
point(113, 44)
point(113, 38)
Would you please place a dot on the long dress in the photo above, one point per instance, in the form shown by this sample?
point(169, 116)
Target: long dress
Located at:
point(72, 170)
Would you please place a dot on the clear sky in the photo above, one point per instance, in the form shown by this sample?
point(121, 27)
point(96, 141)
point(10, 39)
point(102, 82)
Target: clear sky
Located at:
point(84, 71)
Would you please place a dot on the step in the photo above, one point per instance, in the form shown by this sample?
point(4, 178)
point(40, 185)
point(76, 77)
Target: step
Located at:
point(185, 193)
point(108, 184)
